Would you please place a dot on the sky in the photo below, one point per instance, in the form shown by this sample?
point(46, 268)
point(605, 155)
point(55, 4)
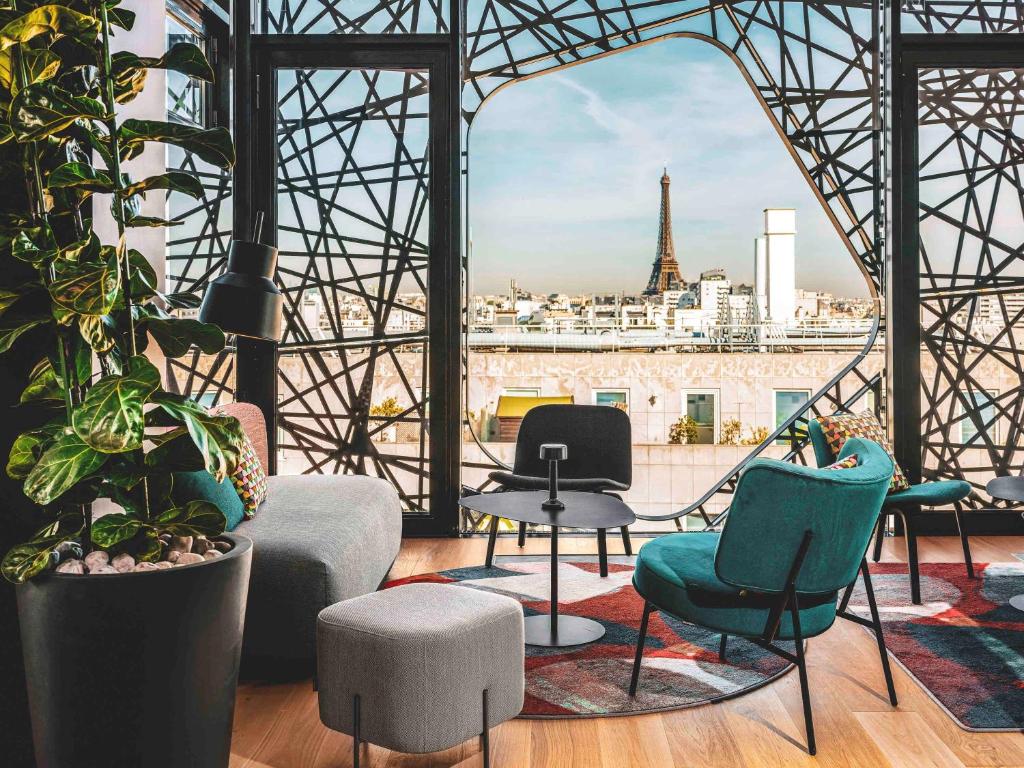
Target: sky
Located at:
point(564, 177)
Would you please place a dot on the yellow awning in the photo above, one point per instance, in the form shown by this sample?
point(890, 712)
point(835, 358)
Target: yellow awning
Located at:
point(515, 407)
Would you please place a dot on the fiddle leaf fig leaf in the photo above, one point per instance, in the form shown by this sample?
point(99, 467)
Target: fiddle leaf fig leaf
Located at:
point(44, 384)
point(88, 289)
point(34, 245)
point(9, 334)
point(177, 335)
point(122, 17)
point(219, 439)
point(43, 109)
point(98, 331)
point(8, 296)
point(212, 145)
point(112, 529)
point(197, 518)
point(61, 466)
point(144, 279)
point(40, 64)
point(129, 70)
point(80, 176)
point(53, 20)
point(111, 418)
point(27, 449)
point(174, 181)
point(24, 561)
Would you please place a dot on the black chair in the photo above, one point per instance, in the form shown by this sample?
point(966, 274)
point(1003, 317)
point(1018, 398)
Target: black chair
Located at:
point(600, 459)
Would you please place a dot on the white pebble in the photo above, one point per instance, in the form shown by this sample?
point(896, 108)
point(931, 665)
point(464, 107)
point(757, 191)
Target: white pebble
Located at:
point(188, 558)
point(76, 567)
point(123, 562)
point(96, 558)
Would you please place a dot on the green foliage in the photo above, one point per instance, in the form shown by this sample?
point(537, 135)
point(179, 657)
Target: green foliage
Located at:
point(72, 300)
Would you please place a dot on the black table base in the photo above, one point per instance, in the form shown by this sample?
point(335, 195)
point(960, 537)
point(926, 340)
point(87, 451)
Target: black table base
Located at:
point(580, 510)
point(565, 631)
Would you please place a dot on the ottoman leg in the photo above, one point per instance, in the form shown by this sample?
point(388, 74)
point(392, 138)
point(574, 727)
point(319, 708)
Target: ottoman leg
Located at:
point(485, 735)
point(355, 731)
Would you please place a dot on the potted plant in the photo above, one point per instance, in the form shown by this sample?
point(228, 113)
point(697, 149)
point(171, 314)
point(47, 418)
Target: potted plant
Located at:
point(129, 661)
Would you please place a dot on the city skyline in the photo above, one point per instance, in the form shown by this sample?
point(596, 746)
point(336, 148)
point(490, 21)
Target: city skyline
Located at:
point(565, 170)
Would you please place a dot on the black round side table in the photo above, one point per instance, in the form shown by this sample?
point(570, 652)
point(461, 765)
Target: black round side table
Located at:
point(580, 510)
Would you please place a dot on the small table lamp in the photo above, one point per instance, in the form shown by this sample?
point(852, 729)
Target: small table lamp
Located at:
point(244, 300)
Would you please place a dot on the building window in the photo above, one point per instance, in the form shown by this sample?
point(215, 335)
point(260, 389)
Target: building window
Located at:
point(521, 391)
point(701, 405)
point(983, 404)
point(617, 398)
point(788, 402)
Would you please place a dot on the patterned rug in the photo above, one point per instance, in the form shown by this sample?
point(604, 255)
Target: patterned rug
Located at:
point(964, 644)
point(681, 666)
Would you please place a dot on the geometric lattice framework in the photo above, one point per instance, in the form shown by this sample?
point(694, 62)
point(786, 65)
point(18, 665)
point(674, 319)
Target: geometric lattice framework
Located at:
point(352, 228)
point(815, 67)
point(812, 66)
point(197, 248)
point(971, 156)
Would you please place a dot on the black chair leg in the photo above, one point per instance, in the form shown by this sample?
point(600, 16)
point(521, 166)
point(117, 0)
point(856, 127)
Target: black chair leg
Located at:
point(602, 551)
point(355, 731)
point(492, 537)
point(961, 526)
point(912, 563)
point(627, 545)
point(879, 637)
point(485, 735)
point(522, 534)
point(876, 554)
point(635, 677)
point(801, 664)
point(722, 647)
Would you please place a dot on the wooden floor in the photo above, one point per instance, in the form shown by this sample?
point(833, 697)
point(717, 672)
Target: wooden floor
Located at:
point(276, 726)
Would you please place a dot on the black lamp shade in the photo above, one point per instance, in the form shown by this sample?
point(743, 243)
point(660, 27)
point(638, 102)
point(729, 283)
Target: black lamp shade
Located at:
point(244, 300)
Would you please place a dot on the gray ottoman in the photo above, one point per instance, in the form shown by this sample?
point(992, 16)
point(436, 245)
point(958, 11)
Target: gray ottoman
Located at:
point(421, 667)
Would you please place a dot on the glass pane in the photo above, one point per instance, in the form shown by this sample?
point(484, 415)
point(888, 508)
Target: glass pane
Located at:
point(788, 402)
point(185, 95)
point(352, 229)
point(701, 408)
point(972, 269)
point(982, 407)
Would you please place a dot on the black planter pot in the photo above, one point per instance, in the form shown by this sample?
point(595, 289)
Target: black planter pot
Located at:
point(137, 669)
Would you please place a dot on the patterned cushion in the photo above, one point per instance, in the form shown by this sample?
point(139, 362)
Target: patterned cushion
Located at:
point(841, 426)
point(249, 479)
point(848, 463)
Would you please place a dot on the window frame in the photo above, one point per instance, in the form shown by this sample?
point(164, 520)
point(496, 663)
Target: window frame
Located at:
point(717, 394)
point(595, 391)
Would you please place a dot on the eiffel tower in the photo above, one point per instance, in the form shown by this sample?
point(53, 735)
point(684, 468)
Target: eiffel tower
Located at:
point(665, 271)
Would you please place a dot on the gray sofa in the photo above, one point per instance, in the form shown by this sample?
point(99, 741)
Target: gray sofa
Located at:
point(317, 539)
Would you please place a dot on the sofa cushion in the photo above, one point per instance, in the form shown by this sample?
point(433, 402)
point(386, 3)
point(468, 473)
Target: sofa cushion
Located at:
point(201, 485)
point(249, 479)
point(254, 425)
point(318, 539)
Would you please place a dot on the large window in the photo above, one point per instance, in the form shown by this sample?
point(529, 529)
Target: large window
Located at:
point(701, 405)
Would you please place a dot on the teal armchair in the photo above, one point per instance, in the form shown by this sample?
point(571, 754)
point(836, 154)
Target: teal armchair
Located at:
point(906, 504)
point(795, 537)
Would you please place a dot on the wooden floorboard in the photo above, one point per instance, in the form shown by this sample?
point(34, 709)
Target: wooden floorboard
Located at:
point(277, 725)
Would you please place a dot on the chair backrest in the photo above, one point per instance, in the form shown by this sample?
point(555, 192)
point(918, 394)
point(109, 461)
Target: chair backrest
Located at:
point(776, 502)
point(598, 437)
point(822, 453)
